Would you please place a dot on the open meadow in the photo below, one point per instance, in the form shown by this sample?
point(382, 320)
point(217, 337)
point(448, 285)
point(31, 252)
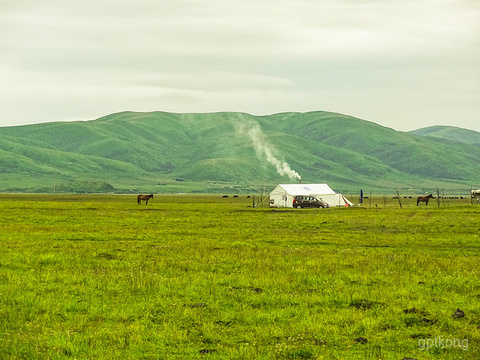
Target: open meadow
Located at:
point(187, 277)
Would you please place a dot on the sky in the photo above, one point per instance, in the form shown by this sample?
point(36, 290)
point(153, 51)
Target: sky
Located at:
point(402, 64)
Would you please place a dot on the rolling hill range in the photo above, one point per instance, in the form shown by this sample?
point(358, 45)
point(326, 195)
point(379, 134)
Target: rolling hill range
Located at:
point(230, 152)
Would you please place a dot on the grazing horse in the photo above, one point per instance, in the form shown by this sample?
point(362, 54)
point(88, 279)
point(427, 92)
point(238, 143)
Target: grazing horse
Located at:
point(424, 199)
point(144, 197)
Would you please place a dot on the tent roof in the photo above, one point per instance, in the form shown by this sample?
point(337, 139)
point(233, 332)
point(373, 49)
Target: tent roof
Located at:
point(307, 189)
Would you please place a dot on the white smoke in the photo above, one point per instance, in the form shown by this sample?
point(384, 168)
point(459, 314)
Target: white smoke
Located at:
point(263, 149)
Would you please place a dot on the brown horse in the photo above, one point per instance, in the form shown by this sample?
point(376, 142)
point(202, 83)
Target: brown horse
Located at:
point(144, 197)
point(424, 199)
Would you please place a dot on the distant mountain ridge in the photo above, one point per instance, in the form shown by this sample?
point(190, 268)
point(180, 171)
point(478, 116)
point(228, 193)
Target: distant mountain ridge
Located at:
point(450, 133)
point(227, 151)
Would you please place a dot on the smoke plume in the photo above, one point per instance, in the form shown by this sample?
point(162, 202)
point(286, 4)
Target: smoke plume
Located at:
point(263, 149)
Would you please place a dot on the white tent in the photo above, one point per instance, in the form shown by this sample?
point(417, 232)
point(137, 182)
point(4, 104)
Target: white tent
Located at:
point(283, 194)
point(476, 194)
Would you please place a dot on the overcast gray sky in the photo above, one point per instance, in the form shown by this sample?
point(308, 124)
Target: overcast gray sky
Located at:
point(403, 64)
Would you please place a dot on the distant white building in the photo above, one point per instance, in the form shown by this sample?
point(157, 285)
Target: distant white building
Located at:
point(283, 194)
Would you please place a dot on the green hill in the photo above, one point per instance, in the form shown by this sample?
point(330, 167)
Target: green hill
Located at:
point(229, 152)
point(450, 133)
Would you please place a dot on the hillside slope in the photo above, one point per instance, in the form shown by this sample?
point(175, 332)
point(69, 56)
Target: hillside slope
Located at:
point(162, 151)
point(450, 133)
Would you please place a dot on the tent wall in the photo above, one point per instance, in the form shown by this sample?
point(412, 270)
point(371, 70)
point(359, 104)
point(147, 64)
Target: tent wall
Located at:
point(280, 198)
point(335, 200)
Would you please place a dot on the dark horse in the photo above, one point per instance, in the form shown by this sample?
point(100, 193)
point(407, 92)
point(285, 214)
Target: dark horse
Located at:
point(144, 197)
point(424, 199)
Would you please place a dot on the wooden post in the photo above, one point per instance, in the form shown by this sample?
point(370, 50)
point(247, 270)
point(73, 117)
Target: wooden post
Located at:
point(398, 198)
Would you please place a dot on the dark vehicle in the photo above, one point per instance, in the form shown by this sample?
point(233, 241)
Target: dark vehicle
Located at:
point(308, 201)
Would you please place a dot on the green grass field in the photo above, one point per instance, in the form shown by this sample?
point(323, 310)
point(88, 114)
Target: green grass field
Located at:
point(186, 277)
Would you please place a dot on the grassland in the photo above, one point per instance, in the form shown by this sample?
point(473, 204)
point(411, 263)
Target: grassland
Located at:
point(186, 277)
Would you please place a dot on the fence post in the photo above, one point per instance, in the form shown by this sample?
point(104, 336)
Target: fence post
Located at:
point(398, 198)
